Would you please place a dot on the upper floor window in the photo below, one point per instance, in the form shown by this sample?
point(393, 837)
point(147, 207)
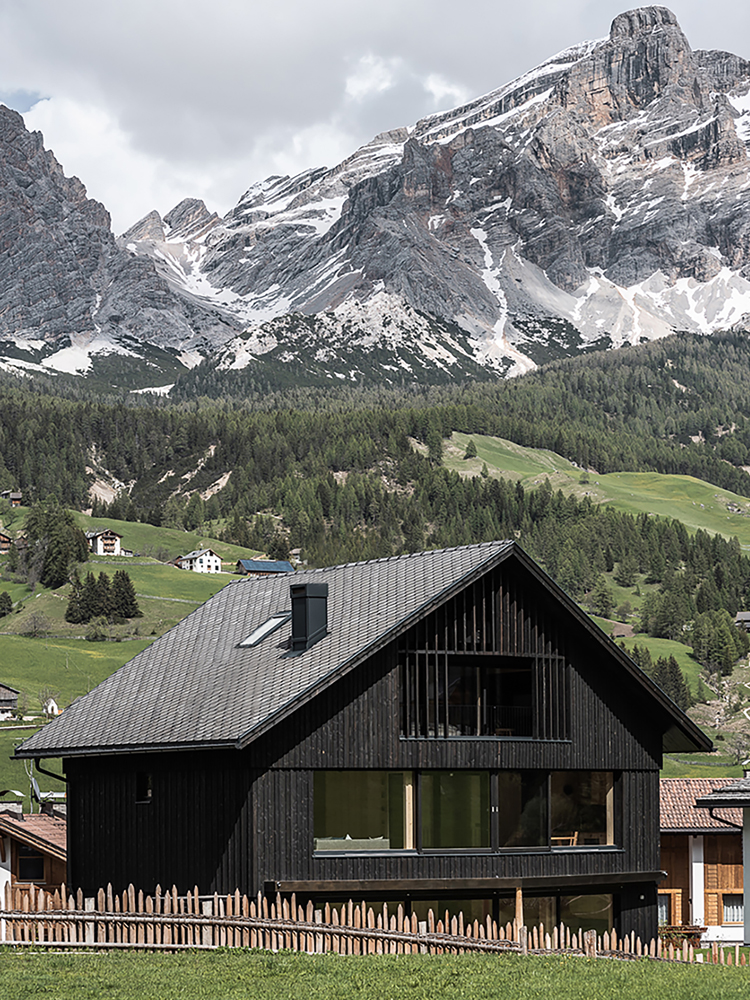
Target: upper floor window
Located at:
point(484, 664)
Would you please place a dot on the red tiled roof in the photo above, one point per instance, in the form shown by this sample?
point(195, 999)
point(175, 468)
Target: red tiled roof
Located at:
point(678, 810)
point(45, 833)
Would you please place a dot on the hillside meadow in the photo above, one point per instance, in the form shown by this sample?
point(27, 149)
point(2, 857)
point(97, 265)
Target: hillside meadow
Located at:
point(237, 975)
point(696, 503)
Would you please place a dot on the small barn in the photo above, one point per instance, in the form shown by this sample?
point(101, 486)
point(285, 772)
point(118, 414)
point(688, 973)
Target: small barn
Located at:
point(8, 701)
point(443, 729)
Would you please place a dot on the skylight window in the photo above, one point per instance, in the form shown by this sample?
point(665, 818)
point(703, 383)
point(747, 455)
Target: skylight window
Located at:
point(267, 628)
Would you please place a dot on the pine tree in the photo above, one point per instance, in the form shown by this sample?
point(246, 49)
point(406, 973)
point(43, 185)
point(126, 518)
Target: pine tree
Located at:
point(73, 612)
point(6, 604)
point(123, 600)
point(471, 449)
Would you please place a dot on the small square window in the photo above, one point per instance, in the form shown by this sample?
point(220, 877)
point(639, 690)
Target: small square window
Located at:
point(143, 786)
point(30, 865)
point(734, 910)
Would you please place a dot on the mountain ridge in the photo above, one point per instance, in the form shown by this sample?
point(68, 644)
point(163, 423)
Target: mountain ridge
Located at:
point(596, 200)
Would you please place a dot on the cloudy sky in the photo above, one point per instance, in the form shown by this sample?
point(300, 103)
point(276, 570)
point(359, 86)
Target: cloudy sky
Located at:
point(151, 101)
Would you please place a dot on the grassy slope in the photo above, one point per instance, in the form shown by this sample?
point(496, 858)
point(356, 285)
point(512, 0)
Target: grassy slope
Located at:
point(242, 974)
point(68, 668)
point(695, 503)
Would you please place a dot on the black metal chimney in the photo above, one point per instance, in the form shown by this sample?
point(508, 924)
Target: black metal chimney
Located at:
point(309, 614)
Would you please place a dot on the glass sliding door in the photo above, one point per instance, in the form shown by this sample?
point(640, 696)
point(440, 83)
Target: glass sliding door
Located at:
point(522, 809)
point(455, 809)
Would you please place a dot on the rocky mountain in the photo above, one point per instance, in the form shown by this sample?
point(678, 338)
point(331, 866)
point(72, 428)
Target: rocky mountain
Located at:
point(71, 299)
point(599, 199)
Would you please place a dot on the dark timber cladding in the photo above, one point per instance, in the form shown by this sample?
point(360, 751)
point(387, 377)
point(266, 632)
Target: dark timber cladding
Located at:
point(445, 726)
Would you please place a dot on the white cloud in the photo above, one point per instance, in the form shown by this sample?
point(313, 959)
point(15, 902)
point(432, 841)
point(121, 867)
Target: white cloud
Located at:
point(373, 75)
point(445, 94)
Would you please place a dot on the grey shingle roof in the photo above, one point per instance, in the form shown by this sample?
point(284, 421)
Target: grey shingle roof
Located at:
point(194, 687)
point(734, 793)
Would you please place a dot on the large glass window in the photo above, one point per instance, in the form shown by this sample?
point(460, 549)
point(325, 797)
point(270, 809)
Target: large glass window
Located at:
point(581, 810)
point(363, 810)
point(381, 810)
point(490, 699)
point(455, 809)
point(522, 808)
point(586, 913)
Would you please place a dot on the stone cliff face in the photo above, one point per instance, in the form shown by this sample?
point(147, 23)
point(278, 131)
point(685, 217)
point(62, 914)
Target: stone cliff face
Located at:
point(603, 190)
point(63, 279)
point(599, 199)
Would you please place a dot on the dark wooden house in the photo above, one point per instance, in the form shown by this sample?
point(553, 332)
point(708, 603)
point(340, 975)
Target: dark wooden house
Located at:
point(441, 727)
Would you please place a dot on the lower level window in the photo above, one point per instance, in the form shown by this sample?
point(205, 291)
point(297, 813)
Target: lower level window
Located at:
point(30, 865)
point(363, 810)
point(663, 909)
point(462, 810)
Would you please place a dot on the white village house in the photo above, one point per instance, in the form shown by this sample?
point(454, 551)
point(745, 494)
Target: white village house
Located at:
point(105, 542)
point(200, 561)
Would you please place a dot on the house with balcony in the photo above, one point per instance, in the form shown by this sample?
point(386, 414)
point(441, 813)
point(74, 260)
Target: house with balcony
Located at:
point(443, 729)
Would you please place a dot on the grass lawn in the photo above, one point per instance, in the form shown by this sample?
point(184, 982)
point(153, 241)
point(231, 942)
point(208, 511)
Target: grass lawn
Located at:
point(232, 975)
point(70, 667)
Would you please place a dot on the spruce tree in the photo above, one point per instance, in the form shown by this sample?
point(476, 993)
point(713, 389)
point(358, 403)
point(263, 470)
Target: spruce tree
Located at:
point(123, 600)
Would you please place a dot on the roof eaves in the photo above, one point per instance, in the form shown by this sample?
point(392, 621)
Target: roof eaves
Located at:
point(16, 830)
point(124, 748)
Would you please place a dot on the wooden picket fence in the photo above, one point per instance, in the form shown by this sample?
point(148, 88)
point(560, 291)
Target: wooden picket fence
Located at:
point(168, 921)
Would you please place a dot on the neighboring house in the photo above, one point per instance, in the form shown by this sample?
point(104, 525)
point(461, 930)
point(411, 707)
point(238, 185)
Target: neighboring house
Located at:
point(5, 543)
point(104, 543)
point(12, 496)
point(32, 849)
point(262, 567)
point(8, 701)
point(742, 620)
point(438, 729)
point(702, 856)
point(200, 561)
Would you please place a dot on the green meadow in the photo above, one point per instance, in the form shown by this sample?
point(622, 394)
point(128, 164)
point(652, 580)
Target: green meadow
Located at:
point(696, 503)
point(237, 975)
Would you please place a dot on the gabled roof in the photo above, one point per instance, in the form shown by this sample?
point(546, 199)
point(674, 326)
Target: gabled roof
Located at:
point(196, 687)
point(266, 565)
point(44, 833)
point(679, 813)
point(102, 531)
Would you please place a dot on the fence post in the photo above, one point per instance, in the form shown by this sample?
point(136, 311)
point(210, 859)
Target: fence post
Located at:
point(207, 907)
point(90, 906)
point(523, 937)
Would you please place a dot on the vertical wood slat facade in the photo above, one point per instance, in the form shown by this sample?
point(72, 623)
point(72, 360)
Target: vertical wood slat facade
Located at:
point(229, 819)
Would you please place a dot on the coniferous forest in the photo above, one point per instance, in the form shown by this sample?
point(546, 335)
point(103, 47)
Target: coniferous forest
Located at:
point(357, 474)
